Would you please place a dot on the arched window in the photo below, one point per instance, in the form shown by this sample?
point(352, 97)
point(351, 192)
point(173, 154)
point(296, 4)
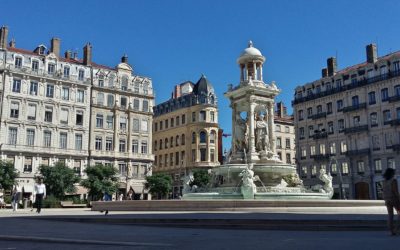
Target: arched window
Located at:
point(171, 141)
point(124, 83)
point(177, 140)
point(155, 145)
point(183, 139)
point(193, 137)
point(160, 144)
point(203, 137)
point(145, 88)
point(166, 143)
point(212, 137)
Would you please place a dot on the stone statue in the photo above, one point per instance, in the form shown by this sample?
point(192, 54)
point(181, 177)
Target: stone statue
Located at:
point(239, 134)
point(293, 180)
point(187, 180)
point(129, 171)
point(327, 179)
point(262, 138)
point(248, 189)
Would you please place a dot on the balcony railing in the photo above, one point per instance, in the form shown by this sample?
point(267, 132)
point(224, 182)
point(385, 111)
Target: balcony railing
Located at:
point(394, 98)
point(359, 83)
point(356, 152)
point(356, 129)
point(320, 135)
point(320, 157)
point(394, 147)
point(395, 122)
point(317, 116)
point(355, 107)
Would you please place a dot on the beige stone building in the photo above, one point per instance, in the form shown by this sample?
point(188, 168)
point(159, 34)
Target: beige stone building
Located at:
point(185, 131)
point(285, 134)
point(347, 122)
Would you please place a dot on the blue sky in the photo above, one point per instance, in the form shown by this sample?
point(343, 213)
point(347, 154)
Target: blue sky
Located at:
point(173, 41)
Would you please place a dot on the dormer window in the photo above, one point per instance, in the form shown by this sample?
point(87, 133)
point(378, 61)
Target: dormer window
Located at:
point(18, 62)
point(124, 83)
point(41, 50)
point(81, 75)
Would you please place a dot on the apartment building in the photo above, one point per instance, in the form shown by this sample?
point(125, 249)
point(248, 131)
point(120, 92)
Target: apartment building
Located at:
point(285, 134)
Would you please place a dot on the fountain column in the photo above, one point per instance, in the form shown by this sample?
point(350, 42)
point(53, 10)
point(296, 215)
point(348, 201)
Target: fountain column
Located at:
point(271, 128)
point(252, 145)
point(233, 106)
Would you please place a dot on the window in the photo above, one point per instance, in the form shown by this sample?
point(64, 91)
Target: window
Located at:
point(50, 90)
point(30, 137)
point(183, 119)
point(360, 167)
point(332, 148)
point(343, 147)
point(176, 158)
point(193, 138)
point(183, 139)
point(14, 110)
point(354, 79)
point(288, 160)
point(386, 116)
point(398, 113)
point(144, 147)
point(373, 119)
point(287, 143)
point(122, 169)
point(312, 150)
point(378, 165)
point(135, 146)
point(81, 75)
point(16, 86)
point(301, 132)
point(66, 71)
point(122, 145)
point(98, 143)
point(155, 127)
point(124, 102)
point(278, 142)
point(35, 65)
point(330, 128)
point(124, 83)
point(48, 114)
point(18, 62)
point(356, 121)
point(354, 100)
point(384, 94)
point(329, 108)
point(145, 126)
point(375, 142)
point(334, 168)
point(203, 153)
point(203, 137)
point(301, 115)
point(100, 99)
point(371, 98)
point(135, 124)
point(345, 168)
point(155, 146)
point(110, 121)
point(80, 95)
point(166, 124)
point(47, 139)
point(63, 140)
point(310, 131)
point(64, 116)
point(109, 144)
point(314, 171)
point(391, 163)
point(193, 116)
point(33, 88)
point(212, 137)
point(370, 73)
point(45, 161)
point(79, 117)
point(397, 90)
point(304, 171)
point(145, 88)
point(136, 104)
point(110, 101)
point(172, 122)
point(171, 141)
point(78, 142)
point(278, 128)
point(51, 68)
point(383, 70)
point(12, 136)
point(99, 121)
point(101, 81)
point(166, 143)
point(309, 112)
point(65, 93)
point(136, 87)
point(31, 111)
point(303, 152)
point(77, 167)
point(122, 123)
point(319, 109)
point(145, 106)
point(341, 125)
point(212, 116)
point(28, 165)
point(202, 116)
point(396, 66)
point(339, 105)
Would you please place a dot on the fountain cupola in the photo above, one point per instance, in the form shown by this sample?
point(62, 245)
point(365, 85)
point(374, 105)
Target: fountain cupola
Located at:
point(251, 64)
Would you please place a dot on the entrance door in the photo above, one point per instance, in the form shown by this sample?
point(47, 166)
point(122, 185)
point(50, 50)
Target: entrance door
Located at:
point(362, 191)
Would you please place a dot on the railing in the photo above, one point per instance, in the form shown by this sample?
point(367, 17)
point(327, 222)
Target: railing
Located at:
point(394, 98)
point(354, 107)
point(43, 149)
point(394, 147)
point(321, 156)
point(364, 151)
point(320, 135)
point(356, 129)
point(317, 116)
point(359, 83)
point(395, 122)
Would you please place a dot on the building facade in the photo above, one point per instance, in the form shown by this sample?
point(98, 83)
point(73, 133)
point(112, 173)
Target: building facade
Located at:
point(49, 108)
point(285, 134)
point(185, 132)
point(347, 122)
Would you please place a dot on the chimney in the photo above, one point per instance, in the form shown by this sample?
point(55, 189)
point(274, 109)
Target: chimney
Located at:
point(331, 65)
point(177, 91)
point(372, 55)
point(124, 59)
point(68, 54)
point(87, 54)
point(12, 43)
point(3, 37)
point(55, 46)
point(324, 72)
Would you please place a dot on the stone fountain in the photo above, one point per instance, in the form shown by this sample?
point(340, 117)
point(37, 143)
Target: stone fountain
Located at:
point(253, 170)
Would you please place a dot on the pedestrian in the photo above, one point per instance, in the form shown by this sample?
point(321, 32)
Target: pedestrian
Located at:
point(130, 194)
point(40, 191)
point(15, 199)
point(106, 197)
point(392, 199)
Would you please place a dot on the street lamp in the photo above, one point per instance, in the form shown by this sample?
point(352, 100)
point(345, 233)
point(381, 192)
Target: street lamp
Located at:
point(342, 194)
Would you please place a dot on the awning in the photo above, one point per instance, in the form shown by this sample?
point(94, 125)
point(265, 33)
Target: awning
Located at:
point(137, 189)
point(122, 185)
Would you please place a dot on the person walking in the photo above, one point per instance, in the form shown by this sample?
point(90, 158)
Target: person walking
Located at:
point(40, 191)
point(15, 199)
point(106, 197)
point(391, 197)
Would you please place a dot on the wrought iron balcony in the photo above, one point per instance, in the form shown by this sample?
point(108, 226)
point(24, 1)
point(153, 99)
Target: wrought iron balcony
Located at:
point(356, 129)
point(356, 152)
point(320, 135)
point(317, 116)
point(394, 98)
point(394, 147)
point(355, 107)
point(395, 122)
point(320, 157)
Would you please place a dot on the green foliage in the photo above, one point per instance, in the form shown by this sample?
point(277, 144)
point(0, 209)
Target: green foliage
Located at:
point(51, 202)
point(100, 179)
point(8, 175)
point(159, 184)
point(201, 178)
point(59, 179)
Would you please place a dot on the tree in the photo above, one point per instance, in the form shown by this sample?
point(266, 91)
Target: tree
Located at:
point(100, 179)
point(201, 178)
point(159, 184)
point(59, 179)
point(8, 175)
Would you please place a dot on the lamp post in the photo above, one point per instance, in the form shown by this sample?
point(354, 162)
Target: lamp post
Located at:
point(342, 194)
